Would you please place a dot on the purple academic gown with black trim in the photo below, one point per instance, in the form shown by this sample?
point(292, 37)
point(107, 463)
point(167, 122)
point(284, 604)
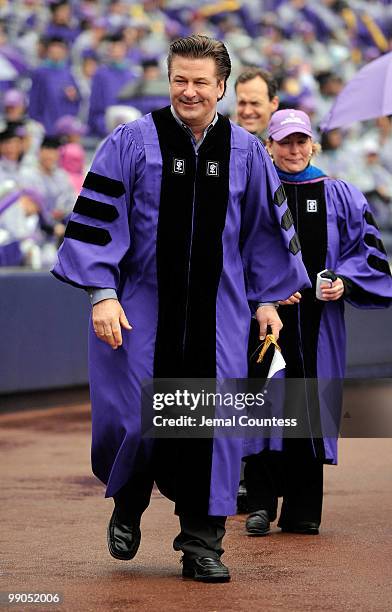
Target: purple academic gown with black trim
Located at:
point(337, 231)
point(188, 249)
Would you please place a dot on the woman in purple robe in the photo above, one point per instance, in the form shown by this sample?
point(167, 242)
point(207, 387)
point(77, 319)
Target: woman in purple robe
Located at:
point(180, 219)
point(338, 234)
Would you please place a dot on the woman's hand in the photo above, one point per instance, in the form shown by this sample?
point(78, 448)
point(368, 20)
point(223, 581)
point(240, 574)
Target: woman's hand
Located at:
point(333, 292)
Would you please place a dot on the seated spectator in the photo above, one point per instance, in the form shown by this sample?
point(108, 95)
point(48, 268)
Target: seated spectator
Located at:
point(12, 148)
point(61, 18)
point(54, 92)
point(83, 73)
point(107, 83)
point(53, 185)
point(380, 131)
point(379, 194)
point(12, 63)
point(72, 160)
point(331, 153)
point(14, 107)
point(20, 237)
point(69, 129)
point(150, 91)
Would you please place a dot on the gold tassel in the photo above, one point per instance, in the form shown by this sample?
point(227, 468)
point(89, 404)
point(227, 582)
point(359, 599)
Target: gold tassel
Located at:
point(269, 339)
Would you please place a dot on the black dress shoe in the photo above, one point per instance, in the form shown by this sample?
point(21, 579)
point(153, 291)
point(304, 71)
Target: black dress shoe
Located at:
point(302, 527)
point(123, 537)
point(242, 499)
point(205, 569)
point(257, 523)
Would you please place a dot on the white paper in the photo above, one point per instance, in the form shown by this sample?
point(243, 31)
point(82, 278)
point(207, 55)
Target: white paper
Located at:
point(278, 363)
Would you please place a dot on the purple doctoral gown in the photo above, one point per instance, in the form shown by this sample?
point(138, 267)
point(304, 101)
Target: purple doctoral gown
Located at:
point(337, 231)
point(189, 245)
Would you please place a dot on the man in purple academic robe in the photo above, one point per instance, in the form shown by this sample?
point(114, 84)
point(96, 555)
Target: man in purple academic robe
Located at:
point(107, 82)
point(54, 92)
point(179, 229)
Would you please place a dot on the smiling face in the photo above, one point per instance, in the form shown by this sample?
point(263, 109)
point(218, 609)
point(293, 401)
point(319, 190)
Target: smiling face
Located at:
point(254, 108)
point(292, 154)
point(194, 90)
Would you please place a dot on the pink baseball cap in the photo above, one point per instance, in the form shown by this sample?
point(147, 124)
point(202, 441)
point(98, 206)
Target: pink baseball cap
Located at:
point(289, 121)
point(14, 97)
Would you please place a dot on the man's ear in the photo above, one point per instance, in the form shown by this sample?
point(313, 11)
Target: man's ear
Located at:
point(274, 104)
point(221, 89)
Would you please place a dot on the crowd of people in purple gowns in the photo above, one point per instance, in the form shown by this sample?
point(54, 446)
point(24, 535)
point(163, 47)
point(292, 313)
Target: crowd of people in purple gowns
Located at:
point(71, 71)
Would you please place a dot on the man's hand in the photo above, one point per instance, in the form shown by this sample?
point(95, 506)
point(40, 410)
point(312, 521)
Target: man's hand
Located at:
point(333, 292)
point(267, 315)
point(108, 318)
point(293, 299)
point(71, 93)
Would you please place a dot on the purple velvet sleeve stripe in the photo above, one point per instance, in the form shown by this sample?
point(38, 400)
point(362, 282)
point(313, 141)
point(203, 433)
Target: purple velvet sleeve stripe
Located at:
point(103, 184)
point(95, 209)
point(87, 233)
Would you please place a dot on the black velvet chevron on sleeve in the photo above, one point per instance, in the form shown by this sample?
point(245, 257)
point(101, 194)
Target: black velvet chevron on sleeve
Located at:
point(279, 196)
point(87, 233)
point(95, 209)
point(287, 220)
point(104, 184)
point(381, 265)
point(294, 246)
point(370, 219)
point(372, 240)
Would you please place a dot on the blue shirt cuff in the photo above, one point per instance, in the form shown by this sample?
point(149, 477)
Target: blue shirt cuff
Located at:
point(97, 295)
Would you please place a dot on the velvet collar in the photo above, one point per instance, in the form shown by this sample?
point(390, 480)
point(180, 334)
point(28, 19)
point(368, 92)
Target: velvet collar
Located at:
point(308, 174)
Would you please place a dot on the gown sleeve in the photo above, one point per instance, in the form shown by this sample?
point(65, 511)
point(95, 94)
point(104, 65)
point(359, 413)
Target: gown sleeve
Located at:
point(362, 261)
point(271, 251)
point(97, 236)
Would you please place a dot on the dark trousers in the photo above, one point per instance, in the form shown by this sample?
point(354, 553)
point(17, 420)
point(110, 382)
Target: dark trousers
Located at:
point(200, 535)
point(295, 474)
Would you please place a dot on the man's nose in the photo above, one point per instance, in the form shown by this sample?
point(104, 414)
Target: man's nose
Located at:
point(189, 90)
point(247, 109)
